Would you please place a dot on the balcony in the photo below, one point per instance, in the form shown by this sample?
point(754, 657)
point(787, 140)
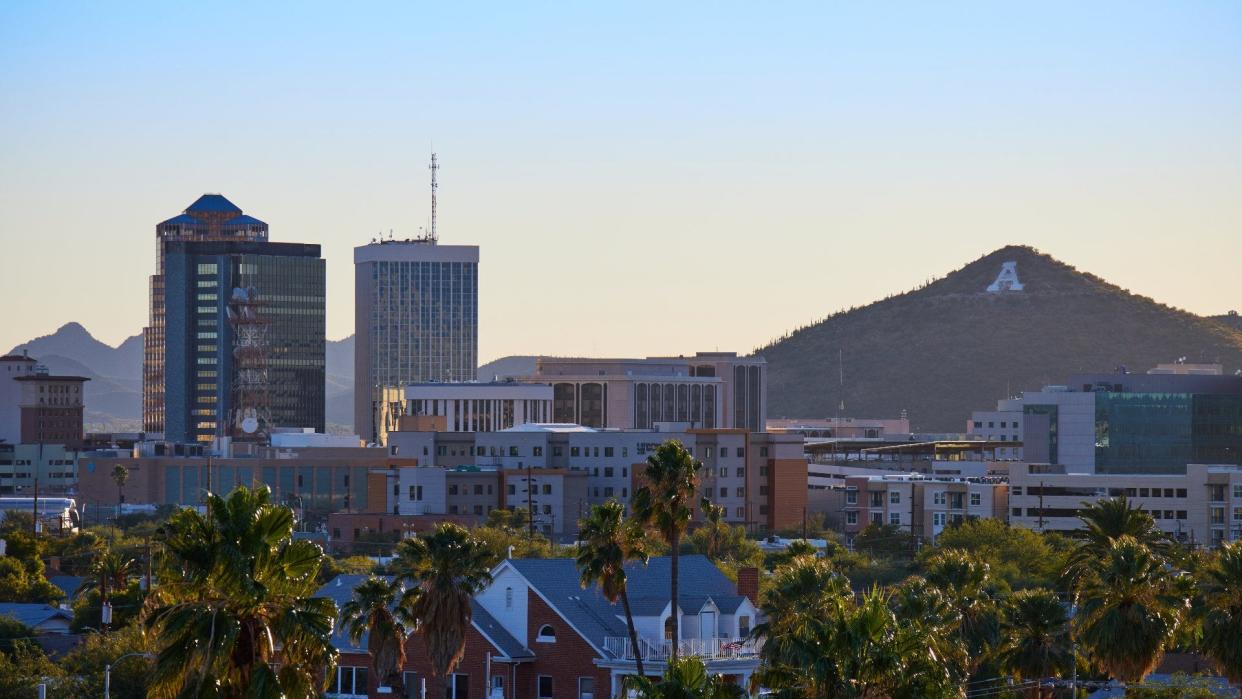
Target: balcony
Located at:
point(707, 649)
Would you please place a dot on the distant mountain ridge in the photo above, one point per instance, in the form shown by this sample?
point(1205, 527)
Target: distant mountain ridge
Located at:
point(952, 346)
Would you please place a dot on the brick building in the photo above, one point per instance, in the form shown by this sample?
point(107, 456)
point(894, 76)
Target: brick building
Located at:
point(536, 634)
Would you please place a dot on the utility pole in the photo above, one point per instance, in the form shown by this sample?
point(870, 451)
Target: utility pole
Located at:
point(804, 522)
point(148, 552)
point(34, 511)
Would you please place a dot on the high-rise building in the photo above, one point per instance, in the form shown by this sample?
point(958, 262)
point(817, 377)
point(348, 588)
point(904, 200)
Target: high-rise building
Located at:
point(37, 407)
point(236, 343)
point(210, 217)
point(416, 319)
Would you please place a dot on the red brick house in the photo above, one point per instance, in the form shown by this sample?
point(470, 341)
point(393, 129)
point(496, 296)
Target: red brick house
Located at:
point(536, 634)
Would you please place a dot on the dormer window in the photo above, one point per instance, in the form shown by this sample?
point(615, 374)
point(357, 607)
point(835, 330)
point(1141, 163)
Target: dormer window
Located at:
point(546, 634)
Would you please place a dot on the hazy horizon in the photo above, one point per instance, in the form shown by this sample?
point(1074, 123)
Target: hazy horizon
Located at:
point(641, 180)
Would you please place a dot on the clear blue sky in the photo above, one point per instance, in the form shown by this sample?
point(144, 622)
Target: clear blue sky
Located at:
point(642, 179)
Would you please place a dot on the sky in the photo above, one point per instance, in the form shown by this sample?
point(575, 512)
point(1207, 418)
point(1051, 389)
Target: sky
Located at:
point(642, 179)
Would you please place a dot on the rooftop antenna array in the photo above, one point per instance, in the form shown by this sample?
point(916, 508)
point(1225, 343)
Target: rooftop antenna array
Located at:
point(432, 237)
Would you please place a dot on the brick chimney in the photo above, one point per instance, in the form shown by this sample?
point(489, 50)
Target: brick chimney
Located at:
point(748, 584)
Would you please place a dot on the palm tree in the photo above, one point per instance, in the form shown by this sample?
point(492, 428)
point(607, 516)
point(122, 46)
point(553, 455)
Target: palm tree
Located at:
point(1036, 635)
point(120, 474)
point(605, 542)
point(970, 587)
point(819, 642)
point(1131, 608)
point(375, 612)
point(664, 503)
point(1222, 597)
point(713, 519)
point(109, 572)
point(1105, 521)
point(234, 614)
point(688, 679)
point(916, 601)
point(446, 567)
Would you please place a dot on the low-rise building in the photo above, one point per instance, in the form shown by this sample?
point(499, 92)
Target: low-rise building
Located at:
point(760, 478)
point(481, 407)
point(535, 633)
point(921, 505)
point(1201, 507)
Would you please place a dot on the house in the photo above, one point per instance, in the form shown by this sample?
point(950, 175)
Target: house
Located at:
point(43, 618)
point(536, 634)
point(68, 584)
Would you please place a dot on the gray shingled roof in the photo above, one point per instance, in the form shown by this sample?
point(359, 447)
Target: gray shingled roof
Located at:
point(596, 618)
point(341, 589)
point(68, 584)
point(32, 614)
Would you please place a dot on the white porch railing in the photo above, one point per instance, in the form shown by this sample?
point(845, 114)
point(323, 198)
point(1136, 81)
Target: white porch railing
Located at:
point(706, 648)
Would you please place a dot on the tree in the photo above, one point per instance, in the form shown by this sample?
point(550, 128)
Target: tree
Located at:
point(916, 601)
point(446, 567)
point(375, 611)
point(24, 668)
point(12, 631)
point(819, 642)
point(713, 523)
point(1105, 521)
point(606, 542)
point(85, 663)
point(1131, 606)
point(970, 587)
point(795, 549)
point(664, 503)
point(234, 614)
point(1036, 637)
point(688, 679)
point(885, 541)
point(1021, 557)
point(120, 474)
point(25, 583)
point(109, 572)
point(1221, 593)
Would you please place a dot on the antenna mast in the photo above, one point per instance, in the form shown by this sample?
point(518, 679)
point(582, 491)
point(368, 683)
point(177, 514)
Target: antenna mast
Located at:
point(431, 235)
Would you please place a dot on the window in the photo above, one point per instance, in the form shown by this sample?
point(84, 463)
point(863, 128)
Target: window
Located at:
point(1237, 514)
point(513, 451)
point(976, 499)
point(586, 688)
point(1017, 512)
point(938, 497)
point(413, 688)
point(460, 688)
point(508, 598)
point(741, 472)
point(743, 625)
point(350, 681)
point(536, 451)
point(453, 489)
point(851, 518)
point(608, 452)
point(478, 488)
point(545, 687)
point(512, 489)
point(937, 519)
point(547, 488)
point(741, 492)
point(741, 513)
point(1181, 492)
point(894, 497)
point(1143, 492)
point(763, 451)
point(573, 451)
point(724, 492)
point(1237, 491)
point(851, 497)
point(877, 518)
point(607, 472)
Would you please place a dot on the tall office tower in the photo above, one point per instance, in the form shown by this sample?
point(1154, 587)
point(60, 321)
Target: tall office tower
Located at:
point(240, 328)
point(210, 217)
point(416, 320)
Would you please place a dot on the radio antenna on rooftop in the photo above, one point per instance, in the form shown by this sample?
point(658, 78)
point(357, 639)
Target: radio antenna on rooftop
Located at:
point(431, 235)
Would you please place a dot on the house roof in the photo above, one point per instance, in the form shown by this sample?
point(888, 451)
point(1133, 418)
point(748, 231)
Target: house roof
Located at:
point(341, 589)
point(556, 579)
point(33, 615)
point(68, 584)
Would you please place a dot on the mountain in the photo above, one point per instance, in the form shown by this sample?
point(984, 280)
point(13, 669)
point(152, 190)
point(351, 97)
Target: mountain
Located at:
point(515, 365)
point(72, 341)
point(951, 346)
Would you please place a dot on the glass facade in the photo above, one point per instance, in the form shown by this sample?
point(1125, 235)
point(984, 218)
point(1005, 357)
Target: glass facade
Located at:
point(1162, 432)
point(244, 339)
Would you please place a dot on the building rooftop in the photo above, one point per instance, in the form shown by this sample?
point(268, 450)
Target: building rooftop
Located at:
point(212, 203)
point(550, 427)
point(33, 615)
point(244, 220)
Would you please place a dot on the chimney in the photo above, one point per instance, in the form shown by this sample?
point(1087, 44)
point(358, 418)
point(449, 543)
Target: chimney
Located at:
point(748, 584)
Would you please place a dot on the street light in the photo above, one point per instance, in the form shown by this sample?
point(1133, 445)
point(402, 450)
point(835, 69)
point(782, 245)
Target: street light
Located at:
point(108, 670)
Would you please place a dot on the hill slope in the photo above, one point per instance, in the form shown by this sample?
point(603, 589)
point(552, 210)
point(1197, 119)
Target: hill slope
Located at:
point(951, 347)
